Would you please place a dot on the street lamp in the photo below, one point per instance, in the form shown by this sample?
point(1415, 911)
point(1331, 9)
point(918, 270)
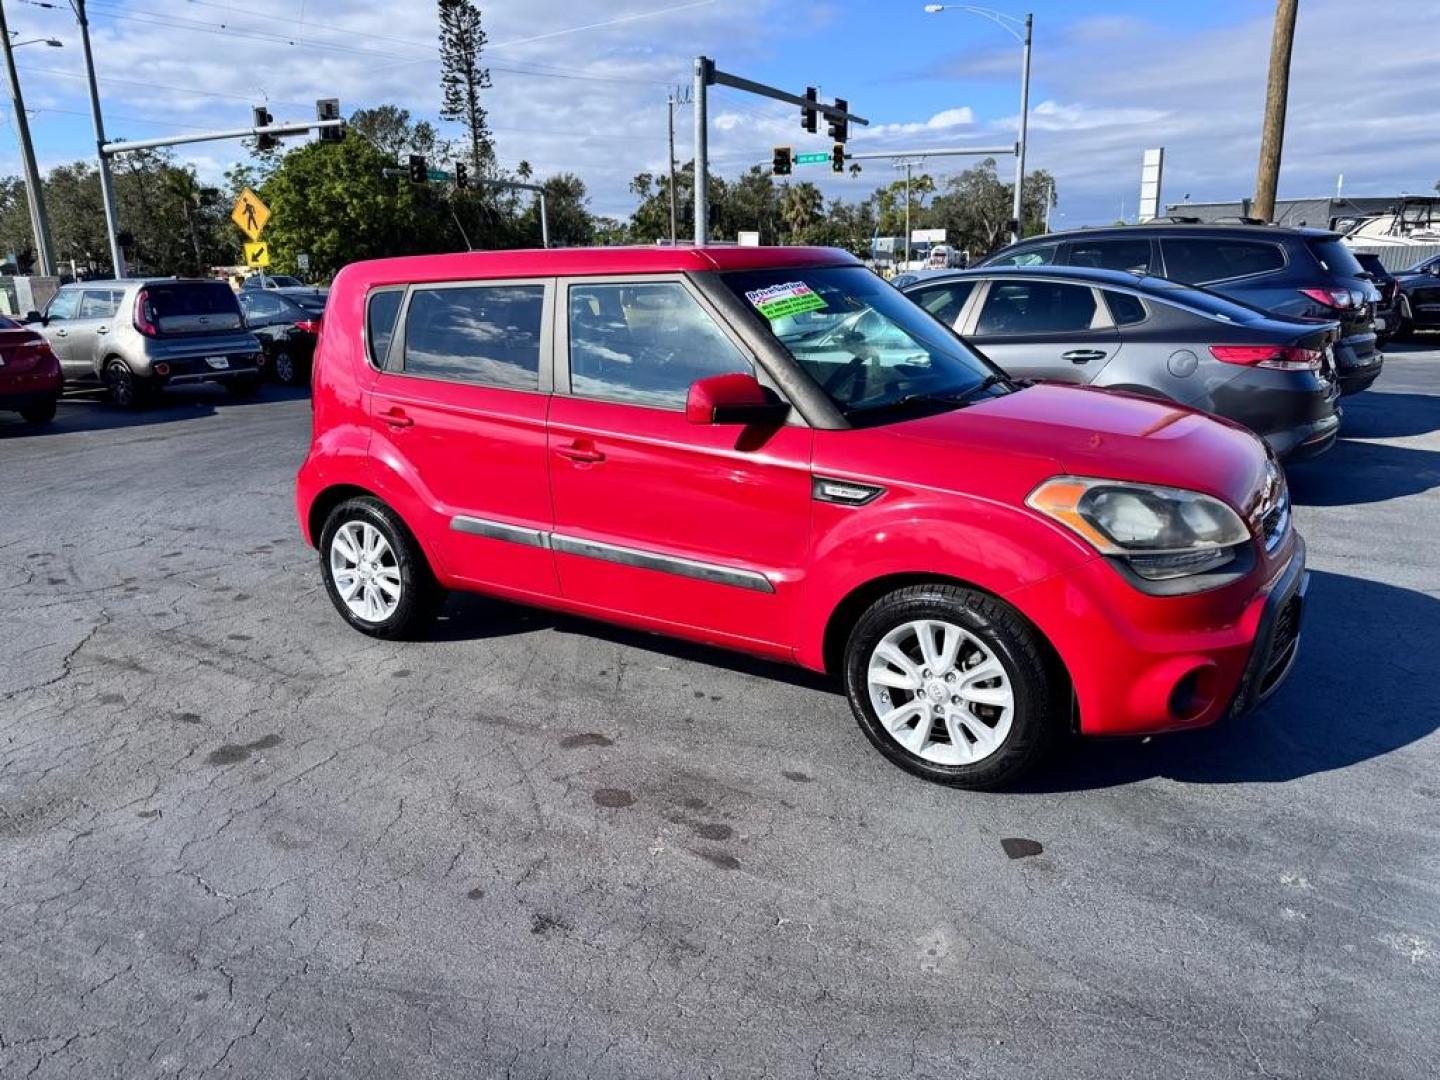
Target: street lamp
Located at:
point(39, 224)
point(1012, 26)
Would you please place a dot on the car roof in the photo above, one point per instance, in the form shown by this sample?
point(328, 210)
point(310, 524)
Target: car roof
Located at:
point(1186, 228)
point(546, 262)
point(125, 283)
point(1091, 274)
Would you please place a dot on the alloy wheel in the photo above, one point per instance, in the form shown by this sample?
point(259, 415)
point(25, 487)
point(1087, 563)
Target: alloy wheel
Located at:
point(121, 383)
point(365, 571)
point(285, 367)
point(940, 692)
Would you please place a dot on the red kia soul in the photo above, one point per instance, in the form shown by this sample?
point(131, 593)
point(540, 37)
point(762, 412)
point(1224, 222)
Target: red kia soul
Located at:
point(772, 450)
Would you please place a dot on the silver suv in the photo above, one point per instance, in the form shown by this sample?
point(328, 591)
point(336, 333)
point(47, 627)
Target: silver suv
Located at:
point(138, 335)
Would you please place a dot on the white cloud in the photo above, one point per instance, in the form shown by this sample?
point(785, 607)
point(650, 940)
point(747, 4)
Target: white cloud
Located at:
point(941, 121)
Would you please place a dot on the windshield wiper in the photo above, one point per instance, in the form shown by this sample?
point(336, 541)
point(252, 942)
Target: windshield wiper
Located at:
point(979, 388)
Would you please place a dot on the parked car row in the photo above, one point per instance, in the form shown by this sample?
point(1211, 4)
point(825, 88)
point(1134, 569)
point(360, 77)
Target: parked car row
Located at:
point(135, 337)
point(773, 450)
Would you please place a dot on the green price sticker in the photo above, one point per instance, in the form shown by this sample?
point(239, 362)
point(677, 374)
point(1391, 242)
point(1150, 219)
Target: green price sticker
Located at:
point(778, 301)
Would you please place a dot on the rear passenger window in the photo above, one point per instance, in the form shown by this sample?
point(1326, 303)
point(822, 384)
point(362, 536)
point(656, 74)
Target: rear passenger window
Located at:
point(1036, 307)
point(944, 301)
point(1040, 255)
point(1125, 309)
point(98, 304)
point(1196, 260)
point(380, 323)
point(644, 344)
point(486, 334)
point(1111, 254)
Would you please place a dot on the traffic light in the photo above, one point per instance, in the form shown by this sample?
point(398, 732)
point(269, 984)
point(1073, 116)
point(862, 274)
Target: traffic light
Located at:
point(808, 115)
point(262, 118)
point(462, 175)
point(781, 164)
point(840, 127)
point(329, 109)
point(419, 171)
point(837, 158)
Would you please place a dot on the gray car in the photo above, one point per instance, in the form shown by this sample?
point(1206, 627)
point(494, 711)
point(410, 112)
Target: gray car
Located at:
point(1147, 335)
point(138, 335)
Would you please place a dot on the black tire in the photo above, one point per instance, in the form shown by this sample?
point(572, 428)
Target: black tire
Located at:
point(1404, 330)
point(42, 412)
point(1035, 681)
point(288, 370)
point(127, 390)
point(420, 594)
point(246, 386)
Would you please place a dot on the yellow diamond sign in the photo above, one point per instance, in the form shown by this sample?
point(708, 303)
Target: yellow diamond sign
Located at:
point(250, 214)
point(258, 254)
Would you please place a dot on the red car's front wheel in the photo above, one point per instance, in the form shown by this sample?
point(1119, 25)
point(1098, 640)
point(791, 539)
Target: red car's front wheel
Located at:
point(952, 685)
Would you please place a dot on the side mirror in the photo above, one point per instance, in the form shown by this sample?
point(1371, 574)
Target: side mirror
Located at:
point(733, 399)
point(32, 317)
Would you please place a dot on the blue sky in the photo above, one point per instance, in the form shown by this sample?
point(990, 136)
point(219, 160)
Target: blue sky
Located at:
point(582, 86)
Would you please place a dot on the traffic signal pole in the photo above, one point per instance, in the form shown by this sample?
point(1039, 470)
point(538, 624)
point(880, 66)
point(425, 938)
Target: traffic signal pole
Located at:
point(708, 75)
point(39, 224)
point(107, 184)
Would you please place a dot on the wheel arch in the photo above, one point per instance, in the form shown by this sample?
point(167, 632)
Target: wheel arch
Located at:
point(848, 611)
point(327, 500)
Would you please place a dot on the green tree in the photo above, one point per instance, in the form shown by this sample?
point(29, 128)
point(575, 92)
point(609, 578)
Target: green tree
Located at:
point(462, 40)
point(976, 205)
point(391, 131)
point(333, 202)
point(571, 224)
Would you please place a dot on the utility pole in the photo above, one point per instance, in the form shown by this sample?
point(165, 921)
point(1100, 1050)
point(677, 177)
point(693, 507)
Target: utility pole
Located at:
point(1019, 209)
point(107, 185)
point(704, 72)
point(39, 223)
point(1277, 92)
point(908, 166)
point(670, 161)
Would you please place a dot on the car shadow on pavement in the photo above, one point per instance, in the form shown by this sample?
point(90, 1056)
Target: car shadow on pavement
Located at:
point(90, 410)
point(1362, 687)
point(471, 617)
point(1390, 416)
point(1363, 472)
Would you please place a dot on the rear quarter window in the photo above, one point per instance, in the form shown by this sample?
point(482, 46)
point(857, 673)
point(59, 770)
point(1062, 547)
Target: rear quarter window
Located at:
point(1337, 258)
point(380, 316)
point(1196, 260)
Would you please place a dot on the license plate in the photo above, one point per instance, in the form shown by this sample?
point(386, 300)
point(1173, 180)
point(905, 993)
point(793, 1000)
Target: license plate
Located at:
point(218, 362)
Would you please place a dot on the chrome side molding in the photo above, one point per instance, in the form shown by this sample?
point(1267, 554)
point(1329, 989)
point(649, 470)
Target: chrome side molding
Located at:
point(624, 556)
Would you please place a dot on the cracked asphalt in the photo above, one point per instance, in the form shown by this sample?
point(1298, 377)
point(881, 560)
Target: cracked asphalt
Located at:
point(239, 839)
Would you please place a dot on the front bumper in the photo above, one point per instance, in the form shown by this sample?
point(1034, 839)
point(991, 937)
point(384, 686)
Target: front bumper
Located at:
point(1143, 664)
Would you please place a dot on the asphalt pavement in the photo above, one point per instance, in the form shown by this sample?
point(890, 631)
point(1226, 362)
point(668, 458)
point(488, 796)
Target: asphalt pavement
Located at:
point(239, 839)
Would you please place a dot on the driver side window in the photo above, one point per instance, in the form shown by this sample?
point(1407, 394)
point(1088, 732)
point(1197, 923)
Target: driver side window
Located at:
point(644, 344)
point(63, 306)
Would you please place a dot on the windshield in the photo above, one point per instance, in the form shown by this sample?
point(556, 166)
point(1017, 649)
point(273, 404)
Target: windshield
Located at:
point(868, 347)
point(1336, 257)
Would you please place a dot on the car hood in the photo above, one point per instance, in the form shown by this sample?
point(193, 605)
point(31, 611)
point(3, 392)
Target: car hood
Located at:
point(1045, 430)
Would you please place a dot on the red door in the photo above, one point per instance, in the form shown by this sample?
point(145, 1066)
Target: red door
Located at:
point(704, 528)
point(460, 429)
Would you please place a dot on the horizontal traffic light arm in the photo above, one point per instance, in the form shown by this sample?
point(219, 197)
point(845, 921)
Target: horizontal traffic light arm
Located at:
point(724, 78)
point(295, 128)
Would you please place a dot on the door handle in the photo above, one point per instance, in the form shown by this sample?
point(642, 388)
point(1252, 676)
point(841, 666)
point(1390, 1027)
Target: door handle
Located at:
point(102, 329)
point(396, 418)
point(60, 333)
point(1084, 356)
point(582, 451)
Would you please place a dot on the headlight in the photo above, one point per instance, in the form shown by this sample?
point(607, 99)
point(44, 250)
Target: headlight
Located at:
point(1161, 532)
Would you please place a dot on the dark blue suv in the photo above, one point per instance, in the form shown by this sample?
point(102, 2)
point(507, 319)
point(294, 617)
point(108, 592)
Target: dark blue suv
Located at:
point(1299, 273)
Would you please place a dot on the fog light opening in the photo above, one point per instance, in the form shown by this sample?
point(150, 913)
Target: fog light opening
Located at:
point(1193, 694)
point(162, 370)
